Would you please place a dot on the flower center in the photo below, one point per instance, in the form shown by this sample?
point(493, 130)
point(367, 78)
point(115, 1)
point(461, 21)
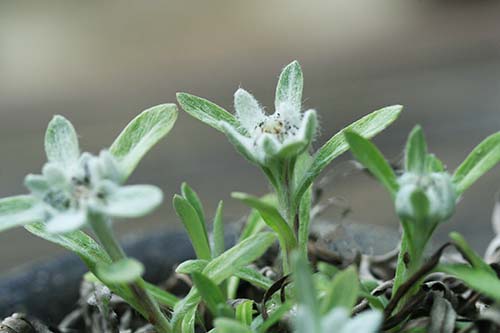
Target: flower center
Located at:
point(275, 125)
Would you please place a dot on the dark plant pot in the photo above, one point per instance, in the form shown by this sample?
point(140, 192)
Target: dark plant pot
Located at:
point(49, 290)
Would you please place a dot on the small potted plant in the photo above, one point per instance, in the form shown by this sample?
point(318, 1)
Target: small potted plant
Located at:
point(276, 277)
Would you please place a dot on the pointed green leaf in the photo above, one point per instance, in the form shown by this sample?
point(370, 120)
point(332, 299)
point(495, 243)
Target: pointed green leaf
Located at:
point(224, 266)
point(477, 279)
point(305, 221)
point(162, 296)
point(368, 127)
point(191, 266)
point(482, 158)
point(206, 111)
point(61, 142)
point(141, 134)
point(194, 227)
point(465, 249)
point(254, 277)
point(275, 316)
point(271, 216)
point(289, 88)
point(416, 151)
point(238, 256)
point(218, 232)
point(253, 225)
point(192, 197)
point(210, 293)
point(226, 325)
point(244, 312)
point(343, 291)
point(366, 153)
point(433, 164)
point(188, 323)
point(123, 271)
point(18, 211)
point(305, 292)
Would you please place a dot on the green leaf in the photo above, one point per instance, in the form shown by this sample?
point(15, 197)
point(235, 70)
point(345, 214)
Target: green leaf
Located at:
point(18, 211)
point(162, 296)
point(77, 242)
point(366, 153)
point(368, 126)
point(132, 201)
point(194, 227)
point(238, 256)
point(226, 325)
point(253, 225)
point(218, 232)
point(343, 292)
point(274, 317)
point(475, 278)
point(482, 158)
point(123, 271)
point(306, 293)
point(141, 134)
point(245, 273)
point(211, 294)
point(244, 312)
point(416, 151)
point(61, 142)
point(475, 260)
point(433, 164)
point(254, 277)
point(224, 266)
point(289, 88)
point(304, 286)
point(206, 111)
point(192, 197)
point(191, 266)
point(305, 221)
point(188, 323)
point(271, 216)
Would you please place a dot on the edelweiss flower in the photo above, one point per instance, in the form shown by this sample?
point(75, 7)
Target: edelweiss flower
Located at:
point(72, 186)
point(285, 133)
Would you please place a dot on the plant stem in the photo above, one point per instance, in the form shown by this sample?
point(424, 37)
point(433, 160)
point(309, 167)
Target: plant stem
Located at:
point(101, 227)
point(413, 244)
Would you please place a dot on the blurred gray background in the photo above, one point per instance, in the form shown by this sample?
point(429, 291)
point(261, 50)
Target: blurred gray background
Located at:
point(99, 63)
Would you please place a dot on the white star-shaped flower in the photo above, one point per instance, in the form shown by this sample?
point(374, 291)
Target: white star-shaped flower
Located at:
point(72, 186)
point(285, 133)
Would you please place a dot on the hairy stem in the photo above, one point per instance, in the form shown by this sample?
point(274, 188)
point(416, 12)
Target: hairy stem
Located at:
point(102, 230)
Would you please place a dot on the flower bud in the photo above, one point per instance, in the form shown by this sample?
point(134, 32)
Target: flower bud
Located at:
point(437, 188)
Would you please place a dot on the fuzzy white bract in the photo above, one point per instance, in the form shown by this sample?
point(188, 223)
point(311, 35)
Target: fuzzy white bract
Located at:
point(286, 133)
